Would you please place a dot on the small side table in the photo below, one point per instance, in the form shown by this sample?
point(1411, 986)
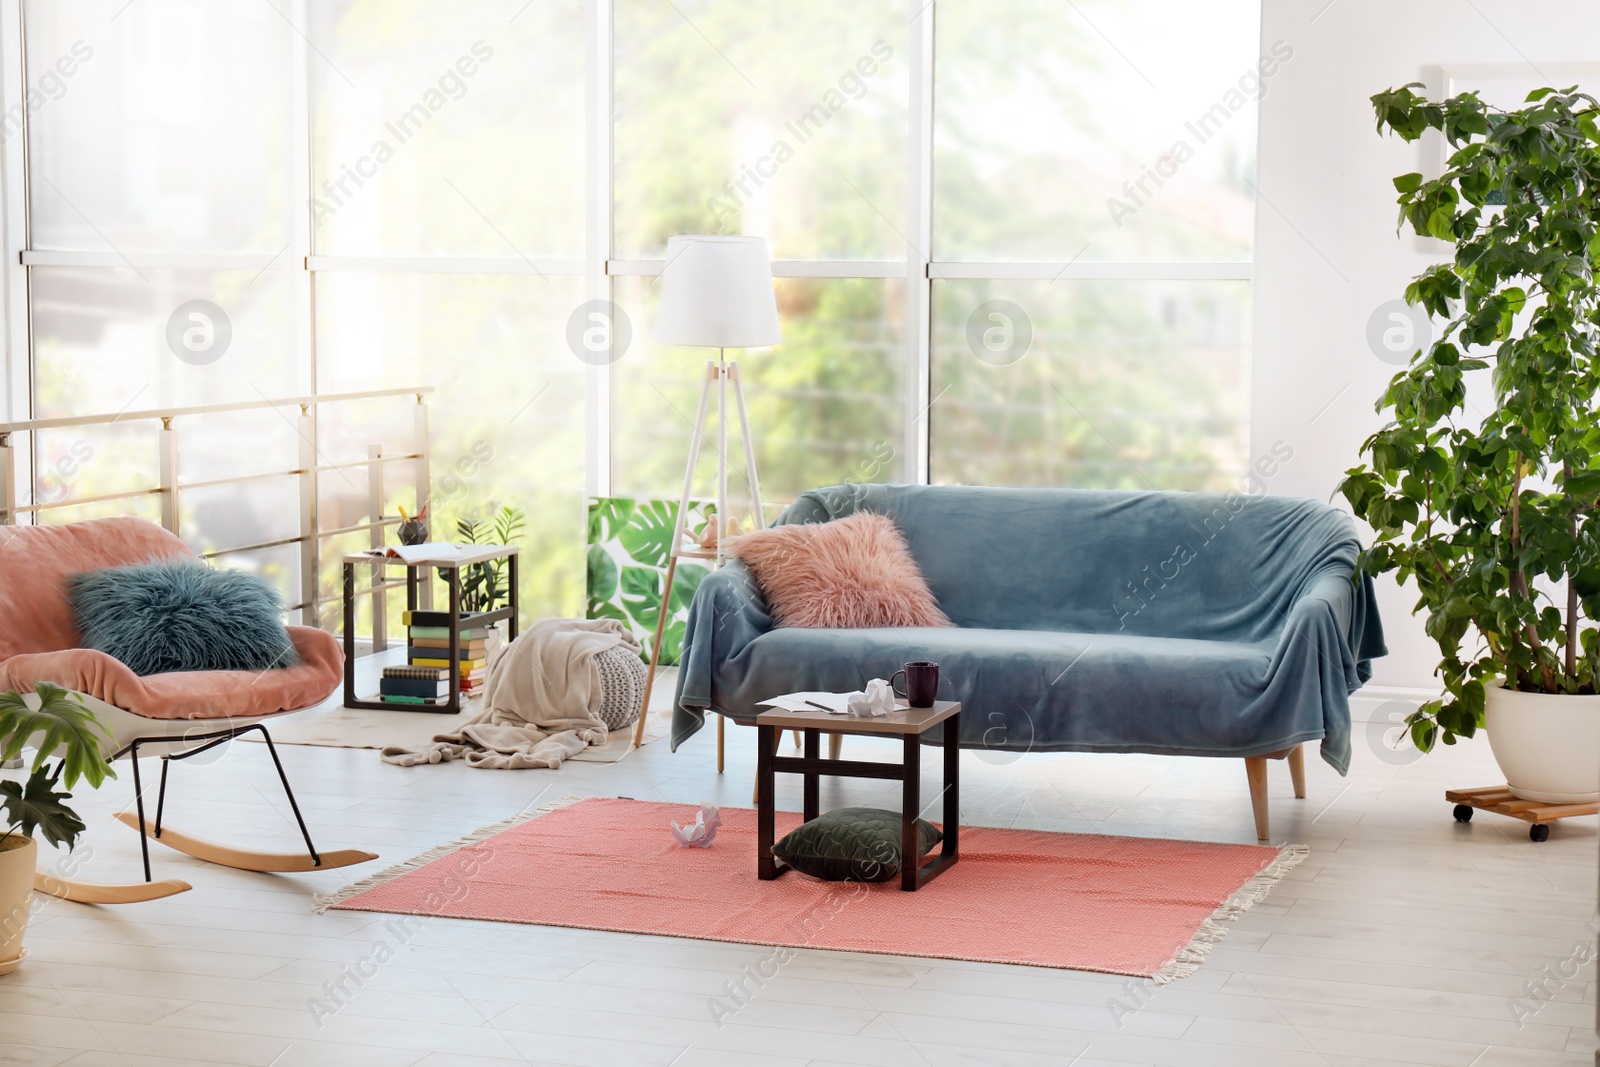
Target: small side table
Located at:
point(417, 573)
point(910, 724)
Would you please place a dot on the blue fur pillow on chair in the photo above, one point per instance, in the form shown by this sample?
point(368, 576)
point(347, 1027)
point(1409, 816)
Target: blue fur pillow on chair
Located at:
point(160, 617)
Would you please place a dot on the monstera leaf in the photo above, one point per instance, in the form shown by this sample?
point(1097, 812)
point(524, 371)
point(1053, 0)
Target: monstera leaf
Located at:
point(600, 609)
point(648, 537)
point(37, 807)
point(672, 641)
point(61, 726)
point(630, 544)
point(602, 574)
point(641, 594)
point(608, 516)
point(685, 581)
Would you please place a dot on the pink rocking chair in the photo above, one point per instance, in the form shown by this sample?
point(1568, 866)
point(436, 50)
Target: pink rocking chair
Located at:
point(175, 716)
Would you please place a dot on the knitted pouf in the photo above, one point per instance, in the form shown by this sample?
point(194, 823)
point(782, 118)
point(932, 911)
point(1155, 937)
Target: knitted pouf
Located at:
point(622, 675)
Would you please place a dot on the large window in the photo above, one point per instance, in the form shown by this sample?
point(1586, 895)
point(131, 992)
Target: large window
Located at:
point(1013, 238)
point(1093, 195)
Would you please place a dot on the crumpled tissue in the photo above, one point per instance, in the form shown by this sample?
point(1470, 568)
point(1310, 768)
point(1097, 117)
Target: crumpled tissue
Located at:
point(702, 831)
point(878, 700)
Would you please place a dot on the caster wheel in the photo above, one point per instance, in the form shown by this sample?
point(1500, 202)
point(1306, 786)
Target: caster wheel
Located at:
point(1539, 832)
point(1463, 813)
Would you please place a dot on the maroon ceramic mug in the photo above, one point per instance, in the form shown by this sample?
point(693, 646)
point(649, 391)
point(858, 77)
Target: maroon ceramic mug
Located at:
point(922, 683)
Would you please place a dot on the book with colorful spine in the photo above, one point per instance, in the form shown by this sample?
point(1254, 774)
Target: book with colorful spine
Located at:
point(443, 633)
point(475, 645)
point(425, 688)
point(433, 674)
point(395, 698)
point(467, 666)
point(438, 618)
point(426, 678)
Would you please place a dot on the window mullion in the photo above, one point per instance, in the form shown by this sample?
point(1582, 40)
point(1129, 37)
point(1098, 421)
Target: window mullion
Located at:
point(919, 222)
point(599, 94)
point(301, 178)
point(18, 384)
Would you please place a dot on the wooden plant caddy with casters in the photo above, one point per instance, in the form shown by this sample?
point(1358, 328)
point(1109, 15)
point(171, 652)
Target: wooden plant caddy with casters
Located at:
point(1498, 799)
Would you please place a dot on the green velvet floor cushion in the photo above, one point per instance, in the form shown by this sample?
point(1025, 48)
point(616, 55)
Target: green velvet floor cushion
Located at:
point(852, 845)
point(181, 616)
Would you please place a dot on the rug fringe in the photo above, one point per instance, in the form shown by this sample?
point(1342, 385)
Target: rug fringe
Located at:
point(322, 902)
point(1211, 931)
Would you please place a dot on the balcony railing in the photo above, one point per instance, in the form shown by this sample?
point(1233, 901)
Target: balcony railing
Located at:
point(310, 466)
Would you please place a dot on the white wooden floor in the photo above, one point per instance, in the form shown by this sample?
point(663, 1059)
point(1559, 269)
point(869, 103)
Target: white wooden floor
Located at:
point(1404, 939)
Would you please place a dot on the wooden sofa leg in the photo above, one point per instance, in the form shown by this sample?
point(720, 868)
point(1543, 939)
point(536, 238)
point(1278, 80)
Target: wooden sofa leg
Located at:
point(722, 730)
point(1297, 770)
point(1255, 769)
point(835, 745)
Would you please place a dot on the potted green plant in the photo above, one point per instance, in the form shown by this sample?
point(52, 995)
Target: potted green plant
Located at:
point(483, 585)
point(1492, 513)
point(62, 730)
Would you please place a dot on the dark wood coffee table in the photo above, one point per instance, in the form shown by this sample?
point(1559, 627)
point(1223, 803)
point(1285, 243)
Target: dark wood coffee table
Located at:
point(909, 723)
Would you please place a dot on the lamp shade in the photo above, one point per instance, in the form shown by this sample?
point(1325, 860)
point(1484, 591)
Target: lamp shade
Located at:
point(716, 292)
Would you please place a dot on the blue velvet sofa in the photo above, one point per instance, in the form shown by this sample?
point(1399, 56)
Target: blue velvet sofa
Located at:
point(1085, 621)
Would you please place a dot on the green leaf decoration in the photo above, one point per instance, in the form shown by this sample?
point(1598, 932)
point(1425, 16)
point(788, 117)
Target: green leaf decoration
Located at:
point(509, 523)
point(484, 586)
point(672, 641)
point(629, 546)
point(599, 609)
point(648, 536)
point(641, 595)
point(685, 581)
point(60, 726)
point(602, 575)
point(641, 582)
point(607, 517)
point(643, 613)
point(37, 807)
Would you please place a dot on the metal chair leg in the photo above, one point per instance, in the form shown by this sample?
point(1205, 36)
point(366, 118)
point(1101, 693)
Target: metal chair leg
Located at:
point(293, 806)
point(199, 849)
point(161, 795)
point(138, 800)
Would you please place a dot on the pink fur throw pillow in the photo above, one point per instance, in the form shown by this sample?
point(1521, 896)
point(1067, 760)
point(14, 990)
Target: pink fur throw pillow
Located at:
point(851, 573)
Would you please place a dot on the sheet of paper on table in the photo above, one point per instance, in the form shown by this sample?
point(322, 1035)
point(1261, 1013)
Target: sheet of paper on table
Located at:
point(833, 702)
point(412, 553)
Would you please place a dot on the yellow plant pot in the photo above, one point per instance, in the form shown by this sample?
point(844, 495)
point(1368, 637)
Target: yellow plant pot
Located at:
point(18, 856)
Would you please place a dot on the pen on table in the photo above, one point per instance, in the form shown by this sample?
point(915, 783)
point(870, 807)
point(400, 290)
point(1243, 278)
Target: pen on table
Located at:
point(821, 707)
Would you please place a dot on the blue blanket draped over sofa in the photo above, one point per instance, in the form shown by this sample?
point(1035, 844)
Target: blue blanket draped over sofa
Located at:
point(1085, 621)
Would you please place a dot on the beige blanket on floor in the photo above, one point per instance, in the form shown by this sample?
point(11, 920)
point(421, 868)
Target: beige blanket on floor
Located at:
point(541, 700)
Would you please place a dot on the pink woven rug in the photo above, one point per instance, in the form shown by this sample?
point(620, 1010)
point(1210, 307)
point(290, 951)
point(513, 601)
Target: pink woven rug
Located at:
point(1120, 905)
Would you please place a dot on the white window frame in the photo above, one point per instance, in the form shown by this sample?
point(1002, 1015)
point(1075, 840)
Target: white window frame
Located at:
point(597, 267)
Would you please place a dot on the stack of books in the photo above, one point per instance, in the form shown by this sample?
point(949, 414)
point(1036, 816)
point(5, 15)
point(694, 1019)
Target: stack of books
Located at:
point(428, 636)
point(414, 685)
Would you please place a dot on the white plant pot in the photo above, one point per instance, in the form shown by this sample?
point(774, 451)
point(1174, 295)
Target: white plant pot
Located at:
point(1547, 745)
point(18, 855)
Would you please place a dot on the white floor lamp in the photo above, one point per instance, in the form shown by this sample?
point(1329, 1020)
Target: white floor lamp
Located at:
point(716, 292)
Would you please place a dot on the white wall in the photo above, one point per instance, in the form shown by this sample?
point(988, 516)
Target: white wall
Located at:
point(1327, 253)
